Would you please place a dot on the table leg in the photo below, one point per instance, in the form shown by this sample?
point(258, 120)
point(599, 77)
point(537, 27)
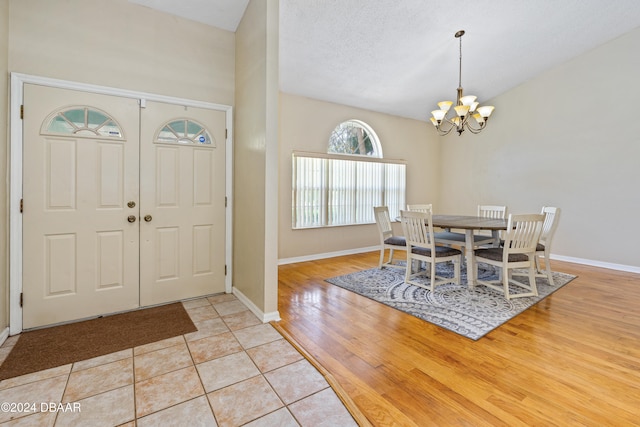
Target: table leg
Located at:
point(496, 238)
point(471, 259)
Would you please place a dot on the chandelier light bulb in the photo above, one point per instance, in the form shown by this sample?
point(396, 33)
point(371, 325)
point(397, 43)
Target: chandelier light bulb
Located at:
point(445, 105)
point(439, 114)
point(468, 100)
point(486, 111)
point(461, 110)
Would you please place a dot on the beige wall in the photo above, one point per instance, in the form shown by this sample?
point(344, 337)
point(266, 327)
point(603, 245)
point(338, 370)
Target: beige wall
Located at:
point(111, 43)
point(255, 156)
point(124, 45)
point(306, 124)
point(568, 138)
point(4, 152)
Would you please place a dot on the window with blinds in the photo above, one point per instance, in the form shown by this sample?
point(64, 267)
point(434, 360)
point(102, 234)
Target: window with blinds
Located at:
point(342, 186)
point(330, 190)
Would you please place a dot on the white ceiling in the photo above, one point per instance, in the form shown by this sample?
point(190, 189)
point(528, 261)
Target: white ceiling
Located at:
point(400, 57)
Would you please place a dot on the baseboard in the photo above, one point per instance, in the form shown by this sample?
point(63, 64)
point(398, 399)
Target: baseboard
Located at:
point(327, 255)
point(594, 263)
point(590, 262)
point(264, 317)
point(4, 335)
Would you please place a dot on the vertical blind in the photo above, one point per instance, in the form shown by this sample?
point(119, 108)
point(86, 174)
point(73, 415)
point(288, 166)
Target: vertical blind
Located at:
point(328, 190)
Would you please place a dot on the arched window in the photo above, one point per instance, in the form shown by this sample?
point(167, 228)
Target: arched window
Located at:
point(356, 138)
point(343, 186)
point(184, 131)
point(82, 121)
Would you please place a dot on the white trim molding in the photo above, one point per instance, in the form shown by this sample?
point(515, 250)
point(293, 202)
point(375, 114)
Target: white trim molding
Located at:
point(314, 257)
point(16, 99)
point(4, 335)
point(590, 262)
point(264, 317)
point(595, 263)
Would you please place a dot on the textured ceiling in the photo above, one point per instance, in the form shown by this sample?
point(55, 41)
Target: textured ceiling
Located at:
point(400, 57)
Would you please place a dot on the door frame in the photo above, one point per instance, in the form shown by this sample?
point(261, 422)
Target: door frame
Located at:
point(16, 99)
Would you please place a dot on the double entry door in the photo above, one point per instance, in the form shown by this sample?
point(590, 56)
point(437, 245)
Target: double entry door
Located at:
point(123, 204)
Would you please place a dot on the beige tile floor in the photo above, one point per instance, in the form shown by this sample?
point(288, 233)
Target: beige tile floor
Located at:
point(233, 371)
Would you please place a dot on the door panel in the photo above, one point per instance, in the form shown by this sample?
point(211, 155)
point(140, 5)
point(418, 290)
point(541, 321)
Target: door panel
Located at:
point(80, 254)
point(183, 192)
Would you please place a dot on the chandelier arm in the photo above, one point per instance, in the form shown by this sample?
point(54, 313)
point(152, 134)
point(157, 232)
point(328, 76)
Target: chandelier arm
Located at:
point(472, 129)
point(445, 133)
point(442, 131)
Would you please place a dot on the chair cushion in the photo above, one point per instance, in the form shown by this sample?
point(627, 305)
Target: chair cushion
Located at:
point(441, 251)
point(539, 246)
point(396, 241)
point(495, 254)
point(482, 238)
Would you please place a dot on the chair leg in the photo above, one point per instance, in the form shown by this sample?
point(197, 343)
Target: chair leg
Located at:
point(547, 266)
point(456, 269)
point(433, 275)
point(506, 276)
point(538, 269)
point(390, 256)
point(408, 270)
point(381, 258)
point(532, 279)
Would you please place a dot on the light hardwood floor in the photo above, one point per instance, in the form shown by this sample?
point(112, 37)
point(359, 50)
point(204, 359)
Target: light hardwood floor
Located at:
point(572, 359)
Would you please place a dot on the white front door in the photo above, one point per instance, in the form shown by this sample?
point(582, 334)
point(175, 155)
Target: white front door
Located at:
point(80, 253)
point(182, 174)
point(123, 206)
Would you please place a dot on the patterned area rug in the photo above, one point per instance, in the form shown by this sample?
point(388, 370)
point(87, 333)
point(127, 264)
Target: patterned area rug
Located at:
point(469, 312)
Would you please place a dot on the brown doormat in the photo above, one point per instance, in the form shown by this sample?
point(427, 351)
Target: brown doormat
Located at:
point(60, 345)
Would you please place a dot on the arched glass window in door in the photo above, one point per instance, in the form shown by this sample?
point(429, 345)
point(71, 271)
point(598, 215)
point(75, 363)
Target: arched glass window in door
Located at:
point(184, 131)
point(82, 121)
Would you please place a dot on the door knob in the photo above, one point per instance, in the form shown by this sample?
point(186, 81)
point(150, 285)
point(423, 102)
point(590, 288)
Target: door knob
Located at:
point(131, 218)
point(148, 218)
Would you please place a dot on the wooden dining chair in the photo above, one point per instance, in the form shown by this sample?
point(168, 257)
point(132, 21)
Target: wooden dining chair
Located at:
point(492, 211)
point(387, 238)
point(543, 249)
point(425, 207)
point(421, 247)
point(487, 238)
point(519, 251)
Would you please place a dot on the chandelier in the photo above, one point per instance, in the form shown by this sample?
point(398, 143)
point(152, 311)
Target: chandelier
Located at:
point(465, 108)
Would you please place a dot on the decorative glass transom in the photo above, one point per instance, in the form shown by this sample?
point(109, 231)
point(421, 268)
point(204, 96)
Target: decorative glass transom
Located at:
point(354, 137)
point(83, 121)
point(184, 131)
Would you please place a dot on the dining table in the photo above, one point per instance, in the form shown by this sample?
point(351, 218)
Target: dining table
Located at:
point(469, 224)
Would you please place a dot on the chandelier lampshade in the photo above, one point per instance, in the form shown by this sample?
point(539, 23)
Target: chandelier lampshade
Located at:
point(466, 107)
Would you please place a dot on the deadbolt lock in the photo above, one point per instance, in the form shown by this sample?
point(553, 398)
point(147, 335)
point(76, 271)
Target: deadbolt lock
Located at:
point(131, 204)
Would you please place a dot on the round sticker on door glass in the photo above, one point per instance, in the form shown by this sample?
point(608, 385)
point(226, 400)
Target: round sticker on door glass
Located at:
point(202, 139)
